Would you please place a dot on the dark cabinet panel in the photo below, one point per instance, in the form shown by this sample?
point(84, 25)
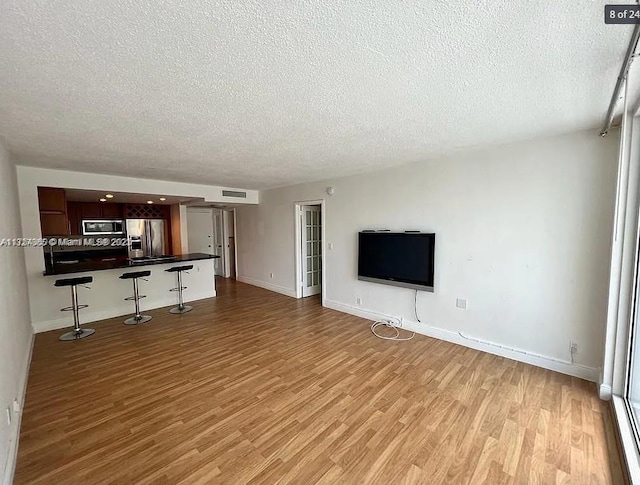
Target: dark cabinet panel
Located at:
point(101, 210)
point(74, 213)
point(91, 210)
point(111, 210)
point(52, 199)
point(54, 224)
point(53, 211)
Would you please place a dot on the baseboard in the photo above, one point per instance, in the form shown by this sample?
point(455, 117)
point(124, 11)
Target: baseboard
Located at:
point(12, 455)
point(92, 317)
point(605, 392)
point(546, 362)
point(268, 286)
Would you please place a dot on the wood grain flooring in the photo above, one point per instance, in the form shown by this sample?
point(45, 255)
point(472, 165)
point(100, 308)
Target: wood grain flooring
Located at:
point(256, 387)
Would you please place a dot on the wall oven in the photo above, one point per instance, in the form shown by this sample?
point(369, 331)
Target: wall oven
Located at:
point(109, 227)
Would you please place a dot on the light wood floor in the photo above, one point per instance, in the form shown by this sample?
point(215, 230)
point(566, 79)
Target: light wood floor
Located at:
point(256, 387)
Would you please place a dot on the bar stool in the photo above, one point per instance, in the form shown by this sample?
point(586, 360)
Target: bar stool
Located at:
point(181, 308)
point(137, 318)
point(77, 333)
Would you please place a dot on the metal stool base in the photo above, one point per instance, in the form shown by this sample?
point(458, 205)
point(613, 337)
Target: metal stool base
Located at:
point(137, 320)
point(73, 335)
point(181, 309)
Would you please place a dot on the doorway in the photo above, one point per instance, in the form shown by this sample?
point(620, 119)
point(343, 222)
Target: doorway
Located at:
point(309, 224)
point(200, 231)
point(203, 234)
point(229, 224)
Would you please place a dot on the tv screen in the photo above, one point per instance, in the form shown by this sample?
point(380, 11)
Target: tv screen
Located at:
point(397, 258)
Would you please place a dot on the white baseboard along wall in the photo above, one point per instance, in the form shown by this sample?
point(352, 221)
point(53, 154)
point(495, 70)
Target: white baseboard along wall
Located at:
point(545, 362)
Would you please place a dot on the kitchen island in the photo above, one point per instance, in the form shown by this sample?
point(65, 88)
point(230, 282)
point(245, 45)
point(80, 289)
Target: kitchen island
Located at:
point(108, 291)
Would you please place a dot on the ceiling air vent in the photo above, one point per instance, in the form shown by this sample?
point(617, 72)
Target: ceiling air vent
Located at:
point(234, 193)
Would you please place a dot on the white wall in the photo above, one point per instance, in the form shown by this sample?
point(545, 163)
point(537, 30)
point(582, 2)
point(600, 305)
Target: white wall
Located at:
point(523, 233)
point(15, 331)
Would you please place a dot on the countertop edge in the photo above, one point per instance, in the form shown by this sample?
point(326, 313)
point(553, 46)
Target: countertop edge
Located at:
point(179, 259)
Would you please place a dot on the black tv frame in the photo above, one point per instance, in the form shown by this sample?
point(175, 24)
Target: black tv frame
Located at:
point(393, 282)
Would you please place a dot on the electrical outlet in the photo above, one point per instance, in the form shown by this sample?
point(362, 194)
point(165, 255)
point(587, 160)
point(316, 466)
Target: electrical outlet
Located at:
point(358, 301)
point(461, 303)
point(330, 246)
point(573, 347)
point(16, 406)
point(8, 415)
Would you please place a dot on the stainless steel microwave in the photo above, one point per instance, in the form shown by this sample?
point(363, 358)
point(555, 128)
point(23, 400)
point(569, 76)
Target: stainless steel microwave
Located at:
point(103, 227)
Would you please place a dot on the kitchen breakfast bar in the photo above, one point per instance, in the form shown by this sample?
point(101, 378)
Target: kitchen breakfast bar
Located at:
point(108, 291)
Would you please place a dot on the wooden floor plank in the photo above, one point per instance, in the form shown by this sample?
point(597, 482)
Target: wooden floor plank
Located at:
point(257, 387)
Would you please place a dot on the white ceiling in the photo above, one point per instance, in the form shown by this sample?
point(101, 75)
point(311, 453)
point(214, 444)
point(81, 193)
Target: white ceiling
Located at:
point(264, 93)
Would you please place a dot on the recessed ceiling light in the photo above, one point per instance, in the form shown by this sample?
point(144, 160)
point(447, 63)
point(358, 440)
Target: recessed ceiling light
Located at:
point(103, 200)
point(163, 199)
point(149, 202)
point(109, 196)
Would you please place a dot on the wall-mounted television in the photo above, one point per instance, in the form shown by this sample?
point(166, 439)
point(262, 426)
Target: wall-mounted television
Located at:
point(397, 258)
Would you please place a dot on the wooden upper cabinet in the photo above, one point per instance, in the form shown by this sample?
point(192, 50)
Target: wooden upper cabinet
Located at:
point(91, 210)
point(112, 210)
point(75, 218)
point(53, 211)
point(52, 200)
point(100, 210)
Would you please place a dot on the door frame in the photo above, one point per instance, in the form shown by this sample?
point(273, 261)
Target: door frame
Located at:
point(226, 215)
point(297, 208)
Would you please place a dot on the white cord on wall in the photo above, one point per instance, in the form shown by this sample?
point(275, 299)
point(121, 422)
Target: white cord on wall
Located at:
point(392, 325)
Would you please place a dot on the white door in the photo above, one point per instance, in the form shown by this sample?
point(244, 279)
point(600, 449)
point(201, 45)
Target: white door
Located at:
point(311, 250)
point(218, 242)
point(200, 231)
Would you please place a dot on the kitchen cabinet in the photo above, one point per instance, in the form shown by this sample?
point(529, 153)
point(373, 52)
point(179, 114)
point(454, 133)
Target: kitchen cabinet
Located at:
point(75, 218)
point(52, 203)
point(91, 210)
point(100, 210)
point(111, 210)
point(52, 200)
point(54, 224)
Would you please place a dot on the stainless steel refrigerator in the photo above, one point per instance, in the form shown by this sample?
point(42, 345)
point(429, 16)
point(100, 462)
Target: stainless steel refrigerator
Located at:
point(146, 237)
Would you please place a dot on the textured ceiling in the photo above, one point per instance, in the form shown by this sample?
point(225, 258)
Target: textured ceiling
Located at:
point(264, 93)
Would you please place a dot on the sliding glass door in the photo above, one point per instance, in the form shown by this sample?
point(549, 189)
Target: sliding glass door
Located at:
point(632, 378)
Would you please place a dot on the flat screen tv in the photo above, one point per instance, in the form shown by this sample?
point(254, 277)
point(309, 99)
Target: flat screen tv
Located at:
point(397, 258)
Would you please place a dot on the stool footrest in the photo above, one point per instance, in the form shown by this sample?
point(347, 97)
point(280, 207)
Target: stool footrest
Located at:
point(132, 298)
point(70, 308)
point(178, 289)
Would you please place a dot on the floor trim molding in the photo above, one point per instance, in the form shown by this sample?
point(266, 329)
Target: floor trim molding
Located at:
point(605, 392)
point(546, 362)
point(267, 286)
point(12, 455)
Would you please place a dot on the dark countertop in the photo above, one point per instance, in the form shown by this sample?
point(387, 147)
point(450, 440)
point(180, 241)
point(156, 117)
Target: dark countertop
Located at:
point(119, 263)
